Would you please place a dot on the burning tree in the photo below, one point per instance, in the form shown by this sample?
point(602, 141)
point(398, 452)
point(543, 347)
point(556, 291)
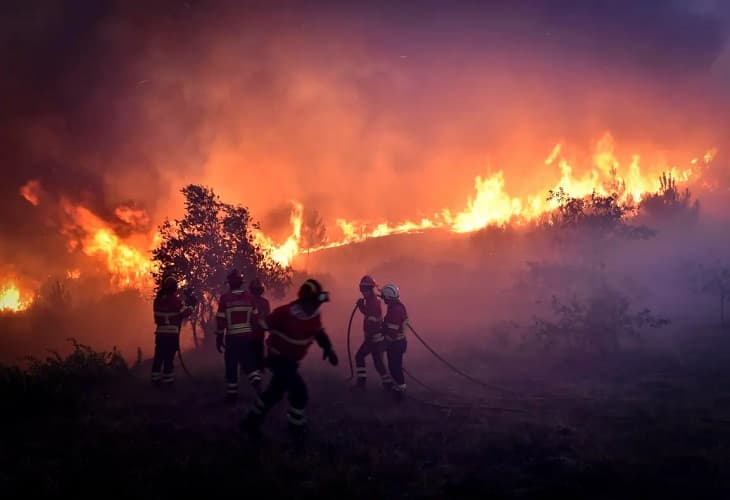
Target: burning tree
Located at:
point(202, 247)
point(670, 203)
point(598, 217)
point(314, 232)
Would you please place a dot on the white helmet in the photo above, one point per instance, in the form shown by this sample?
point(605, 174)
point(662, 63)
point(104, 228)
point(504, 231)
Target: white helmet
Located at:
point(390, 292)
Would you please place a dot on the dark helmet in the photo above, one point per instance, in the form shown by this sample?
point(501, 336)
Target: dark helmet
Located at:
point(169, 283)
point(234, 278)
point(367, 283)
point(256, 287)
point(312, 291)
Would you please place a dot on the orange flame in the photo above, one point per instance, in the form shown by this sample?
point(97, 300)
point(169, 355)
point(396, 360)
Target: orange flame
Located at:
point(490, 204)
point(11, 298)
point(31, 192)
point(128, 266)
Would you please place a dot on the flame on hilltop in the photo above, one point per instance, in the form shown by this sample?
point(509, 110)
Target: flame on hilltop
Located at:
point(129, 263)
point(492, 204)
point(11, 299)
point(285, 252)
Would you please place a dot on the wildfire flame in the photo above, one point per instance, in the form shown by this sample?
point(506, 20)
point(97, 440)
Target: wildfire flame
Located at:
point(31, 192)
point(11, 299)
point(129, 264)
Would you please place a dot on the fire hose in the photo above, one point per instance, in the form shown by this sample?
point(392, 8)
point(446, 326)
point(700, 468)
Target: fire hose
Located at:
point(418, 381)
point(349, 351)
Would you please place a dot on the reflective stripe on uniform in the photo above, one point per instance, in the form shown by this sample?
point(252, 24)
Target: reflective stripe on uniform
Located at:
point(166, 329)
point(238, 328)
point(304, 342)
point(362, 372)
point(231, 388)
point(296, 416)
point(398, 336)
point(254, 376)
point(373, 318)
point(168, 378)
point(399, 387)
point(393, 326)
point(377, 338)
point(156, 376)
point(387, 379)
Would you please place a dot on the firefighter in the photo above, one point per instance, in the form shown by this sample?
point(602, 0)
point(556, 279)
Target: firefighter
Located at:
point(237, 315)
point(374, 342)
point(169, 311)
point(394, 329)
point(292, 328)
point(256, 289)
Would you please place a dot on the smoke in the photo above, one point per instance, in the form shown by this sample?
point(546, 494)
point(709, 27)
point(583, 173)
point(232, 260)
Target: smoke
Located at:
point(384, 113)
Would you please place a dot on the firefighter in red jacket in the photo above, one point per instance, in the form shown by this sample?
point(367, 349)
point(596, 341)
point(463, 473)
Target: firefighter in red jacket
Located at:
point(394, 329)
point(237, 315)
point(169, 311)
point(256, 289)
point(292, 329)
point(374, 342)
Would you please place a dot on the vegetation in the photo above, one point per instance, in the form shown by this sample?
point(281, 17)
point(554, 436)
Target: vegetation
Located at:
point(598, 322)
point(670, 204)
point(201, 248)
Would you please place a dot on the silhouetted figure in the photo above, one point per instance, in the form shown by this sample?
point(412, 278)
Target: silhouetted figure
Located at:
point(394, 328)
point(374, 341)
point(236, 317)
point(169, 311)
point(292, 329)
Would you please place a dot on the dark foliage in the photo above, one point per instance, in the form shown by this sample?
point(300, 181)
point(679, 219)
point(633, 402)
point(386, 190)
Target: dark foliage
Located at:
point(670, 204)
point(598, 322)
point(57, 383)
point(314, 231)
point(596, 217)
point(714, 280)
point(212, 238)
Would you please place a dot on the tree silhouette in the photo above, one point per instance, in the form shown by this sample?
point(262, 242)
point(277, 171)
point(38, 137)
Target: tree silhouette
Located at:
point(202, 247)
point(597, 322)
point(669, 203)
point(714, 280)
point(314, 232)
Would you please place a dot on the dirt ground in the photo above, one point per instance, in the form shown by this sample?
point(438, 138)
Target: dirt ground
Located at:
point(639, 424)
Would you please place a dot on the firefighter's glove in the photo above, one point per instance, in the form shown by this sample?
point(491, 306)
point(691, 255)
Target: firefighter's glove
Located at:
point(219, 343)
point(330, 356)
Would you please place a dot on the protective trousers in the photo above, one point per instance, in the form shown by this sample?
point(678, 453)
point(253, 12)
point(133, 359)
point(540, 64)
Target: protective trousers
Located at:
point(247, 353)
point(163, 368)
point(377, 351)
point(396, 349)
point(285, 378)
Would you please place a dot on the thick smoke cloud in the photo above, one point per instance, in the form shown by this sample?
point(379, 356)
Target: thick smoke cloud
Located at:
point(384, 112)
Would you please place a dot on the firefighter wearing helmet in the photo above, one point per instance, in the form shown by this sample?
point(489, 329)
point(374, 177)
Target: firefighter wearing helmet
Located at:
point(395, 323)
point(256, 289)
point(374, 341)
point(169, 312)
point(292, 329)
point(236, 319)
